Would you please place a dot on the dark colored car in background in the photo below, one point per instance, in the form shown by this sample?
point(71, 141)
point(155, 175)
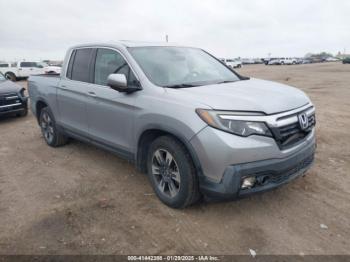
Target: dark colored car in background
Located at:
point(346, 60)
point(12, 98)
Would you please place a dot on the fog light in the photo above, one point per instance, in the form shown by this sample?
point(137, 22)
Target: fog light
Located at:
point(248, 182)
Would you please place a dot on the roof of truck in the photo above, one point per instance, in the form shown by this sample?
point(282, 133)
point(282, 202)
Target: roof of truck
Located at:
point(128, 43)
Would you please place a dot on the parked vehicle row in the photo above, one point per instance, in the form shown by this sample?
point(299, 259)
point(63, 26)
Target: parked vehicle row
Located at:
point(19, 70)
point(192, 124)
point(295, 61)
point(283, 61)
point(251, 61)
point(52, 69)
point(239, 62)
point(346, 60)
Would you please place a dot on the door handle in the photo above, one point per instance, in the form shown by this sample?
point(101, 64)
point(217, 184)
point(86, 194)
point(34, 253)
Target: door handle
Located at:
point(92, 94)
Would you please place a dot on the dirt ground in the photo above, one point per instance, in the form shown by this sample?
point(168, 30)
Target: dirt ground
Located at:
point(81, 200)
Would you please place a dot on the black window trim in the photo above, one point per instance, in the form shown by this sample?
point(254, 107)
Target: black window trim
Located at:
point(93, 61)
point(74, 51)
point(70, 65)
point(125, 59)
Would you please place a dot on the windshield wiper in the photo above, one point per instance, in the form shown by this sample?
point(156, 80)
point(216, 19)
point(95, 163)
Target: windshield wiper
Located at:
point(226, 81)
point(181, 86)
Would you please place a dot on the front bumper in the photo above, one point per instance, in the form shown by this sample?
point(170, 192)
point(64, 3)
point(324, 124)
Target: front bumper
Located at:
point(16, 108)
point(270, 174)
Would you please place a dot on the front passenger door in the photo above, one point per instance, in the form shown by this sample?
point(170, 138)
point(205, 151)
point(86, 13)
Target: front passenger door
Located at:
point(111, 113)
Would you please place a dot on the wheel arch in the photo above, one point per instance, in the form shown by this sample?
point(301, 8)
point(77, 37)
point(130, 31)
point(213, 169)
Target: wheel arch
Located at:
point(149, 135)
point(39, 105)
point(11, 72)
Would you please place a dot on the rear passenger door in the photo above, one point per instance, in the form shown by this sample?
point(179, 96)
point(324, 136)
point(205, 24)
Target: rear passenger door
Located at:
point(111, 113)
point(72, 92)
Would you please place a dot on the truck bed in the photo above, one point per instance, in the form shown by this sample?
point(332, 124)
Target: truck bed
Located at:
point(43, 87)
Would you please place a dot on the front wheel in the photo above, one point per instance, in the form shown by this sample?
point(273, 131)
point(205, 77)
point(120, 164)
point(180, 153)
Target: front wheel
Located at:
point(172, 173)
point(51, 134)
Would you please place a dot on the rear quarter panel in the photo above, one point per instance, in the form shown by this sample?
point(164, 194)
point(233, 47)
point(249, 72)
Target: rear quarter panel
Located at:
point(43, 88)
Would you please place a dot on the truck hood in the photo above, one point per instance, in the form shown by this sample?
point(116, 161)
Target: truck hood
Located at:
point(9, 87)
point(246, 95)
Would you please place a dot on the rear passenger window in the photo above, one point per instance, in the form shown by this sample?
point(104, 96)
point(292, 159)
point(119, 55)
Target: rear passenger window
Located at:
point(111, 62)
point(3, 65)
point(81, 65)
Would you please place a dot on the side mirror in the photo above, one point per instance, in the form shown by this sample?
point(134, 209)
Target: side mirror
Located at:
point(119, 83)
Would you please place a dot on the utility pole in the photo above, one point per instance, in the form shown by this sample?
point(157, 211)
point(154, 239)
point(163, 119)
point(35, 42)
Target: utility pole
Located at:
point(167, 38)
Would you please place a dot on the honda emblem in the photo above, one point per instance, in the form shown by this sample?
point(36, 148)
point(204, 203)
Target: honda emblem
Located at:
point(303, 121)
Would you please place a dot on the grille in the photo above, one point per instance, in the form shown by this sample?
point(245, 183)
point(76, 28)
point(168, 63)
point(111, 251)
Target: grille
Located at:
point(9, 99)
point(291, 134)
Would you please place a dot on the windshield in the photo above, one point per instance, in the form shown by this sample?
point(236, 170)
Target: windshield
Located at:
point(181, 66)
point(2, 78)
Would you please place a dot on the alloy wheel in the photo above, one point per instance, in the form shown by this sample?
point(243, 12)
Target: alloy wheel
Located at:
point(47, 127)
point(166, 173)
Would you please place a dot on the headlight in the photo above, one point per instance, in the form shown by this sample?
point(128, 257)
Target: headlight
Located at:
point(221, 120)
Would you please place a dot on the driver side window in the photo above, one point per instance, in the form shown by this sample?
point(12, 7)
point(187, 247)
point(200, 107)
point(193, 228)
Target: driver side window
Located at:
point(111, 62)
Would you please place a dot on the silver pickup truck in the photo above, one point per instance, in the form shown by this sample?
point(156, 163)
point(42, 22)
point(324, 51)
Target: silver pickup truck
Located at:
point(195, 126)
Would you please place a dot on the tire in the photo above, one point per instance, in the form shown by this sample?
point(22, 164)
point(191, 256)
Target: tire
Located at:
point(11, 76)
point(175, 182)
point(51, 134)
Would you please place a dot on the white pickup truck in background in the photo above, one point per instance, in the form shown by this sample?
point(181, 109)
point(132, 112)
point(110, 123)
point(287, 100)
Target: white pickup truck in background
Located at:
point(283, 61)
point(233, 63)
point(16, 70)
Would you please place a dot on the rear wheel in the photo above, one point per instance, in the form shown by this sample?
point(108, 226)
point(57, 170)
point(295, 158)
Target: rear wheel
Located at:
point(172, 173)
point(11, 76)
point(51, 134)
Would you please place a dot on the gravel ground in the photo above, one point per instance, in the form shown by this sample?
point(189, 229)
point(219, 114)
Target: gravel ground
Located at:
point(78, 199)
